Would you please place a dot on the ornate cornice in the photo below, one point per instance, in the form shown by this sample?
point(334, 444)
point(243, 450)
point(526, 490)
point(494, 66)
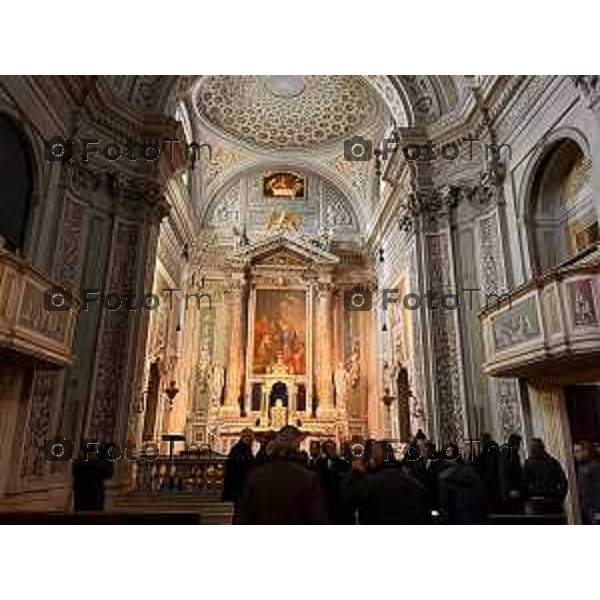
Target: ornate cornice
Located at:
point(283, 239)
point(589, 86)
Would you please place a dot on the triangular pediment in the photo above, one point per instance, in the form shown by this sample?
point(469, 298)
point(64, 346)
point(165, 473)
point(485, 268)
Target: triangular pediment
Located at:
point(284, 249)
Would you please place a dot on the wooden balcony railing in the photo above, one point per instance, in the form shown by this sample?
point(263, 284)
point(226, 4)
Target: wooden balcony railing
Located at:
point(25, 325)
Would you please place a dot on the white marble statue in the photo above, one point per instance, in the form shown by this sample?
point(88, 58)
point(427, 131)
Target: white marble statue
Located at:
point(340, 378)
point(388, 384)
point(354, 367)
point(217, 382)
point(417, 414)
point(213, 423)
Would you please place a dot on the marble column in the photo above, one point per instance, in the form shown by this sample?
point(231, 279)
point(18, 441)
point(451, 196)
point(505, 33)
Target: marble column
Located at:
point(120, 350)
point(549, 421)
point(323, 333)
point(235, 369)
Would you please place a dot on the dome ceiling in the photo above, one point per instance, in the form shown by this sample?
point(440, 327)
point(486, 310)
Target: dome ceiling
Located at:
point(287, 111)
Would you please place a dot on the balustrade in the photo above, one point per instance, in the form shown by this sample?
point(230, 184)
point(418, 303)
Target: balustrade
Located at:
point(26, 325)
point(185, 473)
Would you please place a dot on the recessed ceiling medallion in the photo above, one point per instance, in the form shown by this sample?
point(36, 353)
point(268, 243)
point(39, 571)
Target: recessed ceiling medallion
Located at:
point(284, 86)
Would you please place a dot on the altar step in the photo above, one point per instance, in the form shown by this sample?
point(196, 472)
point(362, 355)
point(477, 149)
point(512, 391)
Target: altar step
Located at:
point(209, 507)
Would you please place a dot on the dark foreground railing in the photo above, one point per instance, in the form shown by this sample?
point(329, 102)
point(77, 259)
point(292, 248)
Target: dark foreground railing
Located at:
point(100, 518)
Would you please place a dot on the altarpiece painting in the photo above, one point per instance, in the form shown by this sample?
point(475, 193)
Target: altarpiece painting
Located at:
point(280, 331)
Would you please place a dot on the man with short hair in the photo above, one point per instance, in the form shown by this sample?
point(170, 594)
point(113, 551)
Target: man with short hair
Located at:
point(381, 493)
point(331, 468)
point(544, 485)
point(314, 454)
point(240, 462)
point(282, 491)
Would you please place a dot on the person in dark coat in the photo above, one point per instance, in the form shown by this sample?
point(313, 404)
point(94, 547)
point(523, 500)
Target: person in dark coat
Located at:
point(544, 486)
point(331, 469)
point(486, 466)
point(283, 491)
point(90, 472)
point(240, 462)
point(415, 457)
point(510, 472)
point(422, 461)
point(587, 466)
point(462, 495)
point(381, 493)
point(261, 455)
point(314, 454)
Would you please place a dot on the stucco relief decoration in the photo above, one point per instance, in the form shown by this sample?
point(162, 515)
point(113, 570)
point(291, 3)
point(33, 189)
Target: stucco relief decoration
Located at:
point(507, 399)
point(205, 252)
point(337, 213)
point(222, 161)
point(113, 337)
point(38, 426)
point(423, 98)
point(288, 111)
point(357, 172)
point(439, 260)
point(68, 259)
point(491, 264)
point(227, 212)
point(582, 295)
point(446, 359)
point(516, 325)
point(550, 308)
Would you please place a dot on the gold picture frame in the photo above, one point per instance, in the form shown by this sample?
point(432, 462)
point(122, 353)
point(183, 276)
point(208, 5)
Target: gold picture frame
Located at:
point(284, 185)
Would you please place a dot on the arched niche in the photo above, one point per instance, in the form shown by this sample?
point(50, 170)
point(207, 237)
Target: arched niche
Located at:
point(242, 206)
point(16, 183)
point(563, 221)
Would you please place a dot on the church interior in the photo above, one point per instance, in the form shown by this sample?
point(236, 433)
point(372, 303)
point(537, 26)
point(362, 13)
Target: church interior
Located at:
point(185, 258)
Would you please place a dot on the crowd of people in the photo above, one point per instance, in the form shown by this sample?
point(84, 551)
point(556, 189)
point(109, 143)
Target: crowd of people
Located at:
point(368, 483)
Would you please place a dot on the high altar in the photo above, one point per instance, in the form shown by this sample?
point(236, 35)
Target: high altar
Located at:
point(277, 347)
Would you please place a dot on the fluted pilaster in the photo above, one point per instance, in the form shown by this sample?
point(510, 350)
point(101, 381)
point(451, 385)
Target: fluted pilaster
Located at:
point(323, 345)
point(235, 295)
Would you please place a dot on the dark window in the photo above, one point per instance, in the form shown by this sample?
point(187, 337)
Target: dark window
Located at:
point(15, 183)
